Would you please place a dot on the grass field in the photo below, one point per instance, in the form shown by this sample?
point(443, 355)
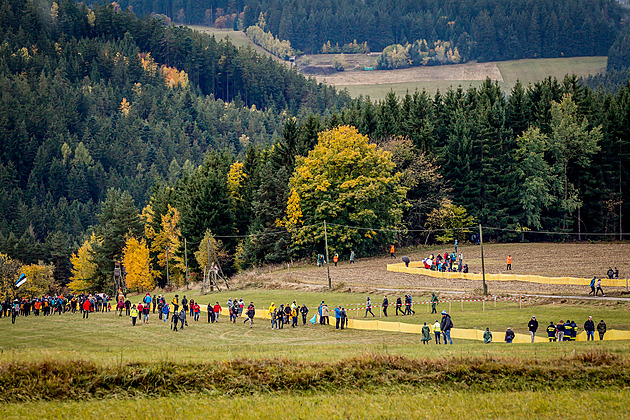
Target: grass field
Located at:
point(316, 370)
point(105, 337)
point(237, 38)
point(376, 86)
point(394, 403)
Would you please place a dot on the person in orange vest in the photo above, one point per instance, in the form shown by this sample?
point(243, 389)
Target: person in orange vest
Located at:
point(509, 262)
point(391, 252)
point(336, 259)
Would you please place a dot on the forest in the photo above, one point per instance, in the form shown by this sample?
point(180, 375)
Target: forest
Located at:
point(489, 30)
point(122, 137)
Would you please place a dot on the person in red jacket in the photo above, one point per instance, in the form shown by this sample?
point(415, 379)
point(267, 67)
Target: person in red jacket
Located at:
point(217, 311)
point(196, 310)
point(86, 308)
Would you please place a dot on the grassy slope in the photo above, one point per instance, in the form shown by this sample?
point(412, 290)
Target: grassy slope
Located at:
point(237, 38)
point(527, 71)
point(352, 405)
point(105, 338)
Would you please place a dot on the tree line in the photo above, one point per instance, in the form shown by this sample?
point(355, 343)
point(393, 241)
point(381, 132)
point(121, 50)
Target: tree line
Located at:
point(94, 98)
point(115, 146)
point(489, 30)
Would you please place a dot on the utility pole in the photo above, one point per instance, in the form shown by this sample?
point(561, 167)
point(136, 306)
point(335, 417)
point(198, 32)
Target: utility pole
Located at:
point(186, 261)
point(168, 280)
point(327, 262)
point(483, 266)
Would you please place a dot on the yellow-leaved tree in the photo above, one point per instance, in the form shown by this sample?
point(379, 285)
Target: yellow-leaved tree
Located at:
point(350, 184)
point(137, 264)
point(209, 245)
point(450, 221)
point(40, 280)
point(9, 272)
point(83, 278)
point(167, 241)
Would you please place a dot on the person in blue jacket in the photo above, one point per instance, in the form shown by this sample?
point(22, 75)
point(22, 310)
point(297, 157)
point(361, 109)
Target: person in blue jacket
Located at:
point(337, 317)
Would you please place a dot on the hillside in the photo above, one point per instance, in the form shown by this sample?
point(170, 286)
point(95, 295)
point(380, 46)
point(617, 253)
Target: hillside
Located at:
point(491, 30)
point(94, 99)
point(378, 83)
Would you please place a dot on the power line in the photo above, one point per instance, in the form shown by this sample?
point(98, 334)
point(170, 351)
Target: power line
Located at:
point(544, 232)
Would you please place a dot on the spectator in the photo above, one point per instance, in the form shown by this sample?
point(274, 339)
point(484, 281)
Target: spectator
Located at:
point(134, 315)
point(392, 252)
point(325, 314)
point(592, 292)
point(487, 336)
point(560, 331)
point(210, 310)
point(601, 329)
point(426, 334)
point(434, 302)
point(251, 312)
point(599, 287)
point(568, 330)
point(533, 327)
point(368, 308)
point(509, 262)
point(217, 311)
point(437, 331)
point(344, 318)
point(338, 317)
point(551, 332)
point(509, 335)
point(304, 312)
point(351, 256)
point(399, 306)
point(385, 305)
point(446, 326)
point(589, 327)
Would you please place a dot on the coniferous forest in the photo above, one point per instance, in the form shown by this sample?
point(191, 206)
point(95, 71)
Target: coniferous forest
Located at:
point(488, 30)
point(114, 126)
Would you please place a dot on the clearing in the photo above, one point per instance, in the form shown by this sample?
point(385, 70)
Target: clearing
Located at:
point(237, 38)
point(547, 259)
point(378, 83)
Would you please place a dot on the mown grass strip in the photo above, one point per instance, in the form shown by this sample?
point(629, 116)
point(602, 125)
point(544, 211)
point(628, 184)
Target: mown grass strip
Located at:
point(51, 380)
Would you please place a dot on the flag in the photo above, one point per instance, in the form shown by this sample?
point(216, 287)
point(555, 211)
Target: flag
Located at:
point(314, 319)
point(21, 280)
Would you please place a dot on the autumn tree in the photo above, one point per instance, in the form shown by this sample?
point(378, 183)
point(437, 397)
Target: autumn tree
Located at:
point(166, 242)
point(137, 264)
point(350, 184)
point(450, 222)
point(9, 272)
point(84, 270)
point(41, 280)
point(211, 251)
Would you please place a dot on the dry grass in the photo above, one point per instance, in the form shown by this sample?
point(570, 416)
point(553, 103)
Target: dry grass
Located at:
point(76, 380)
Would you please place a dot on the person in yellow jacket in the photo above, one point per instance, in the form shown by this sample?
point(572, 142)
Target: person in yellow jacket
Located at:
point(175, 303)
point(134, 315)
point(437, 330)
point(294, 317)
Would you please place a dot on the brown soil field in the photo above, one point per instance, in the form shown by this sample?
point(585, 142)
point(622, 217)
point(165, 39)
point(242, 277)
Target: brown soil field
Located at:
point(547, 259)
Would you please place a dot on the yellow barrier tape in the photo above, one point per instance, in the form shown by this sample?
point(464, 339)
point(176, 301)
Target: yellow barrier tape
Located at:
point(416, 267)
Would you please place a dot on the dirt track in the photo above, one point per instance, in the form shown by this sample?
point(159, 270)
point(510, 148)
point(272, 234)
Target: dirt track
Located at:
point(556, 260)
